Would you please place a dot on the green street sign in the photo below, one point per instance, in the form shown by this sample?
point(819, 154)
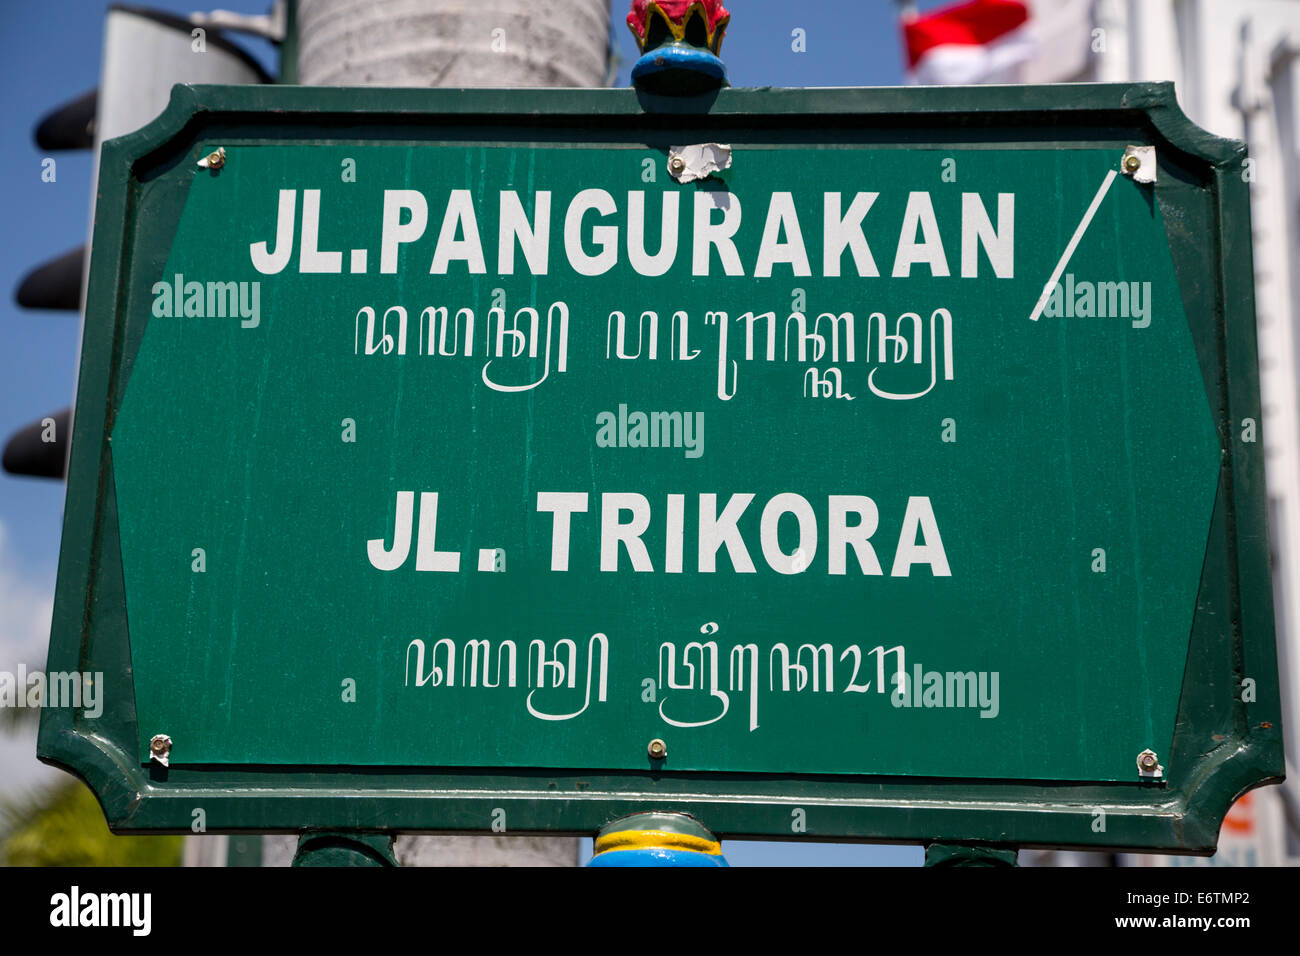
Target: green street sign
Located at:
point(858, 464)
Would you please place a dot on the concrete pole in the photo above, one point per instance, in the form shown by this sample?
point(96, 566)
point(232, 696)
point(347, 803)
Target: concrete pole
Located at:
point(457, 43)
point(452, 43)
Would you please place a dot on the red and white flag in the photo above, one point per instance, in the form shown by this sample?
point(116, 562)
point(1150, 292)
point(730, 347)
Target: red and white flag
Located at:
point(982, 41)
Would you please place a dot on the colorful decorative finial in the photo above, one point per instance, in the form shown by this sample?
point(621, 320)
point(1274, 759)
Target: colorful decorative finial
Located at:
point(679, 41)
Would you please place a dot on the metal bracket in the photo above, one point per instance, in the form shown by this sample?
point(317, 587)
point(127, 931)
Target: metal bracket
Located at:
point(272, 26)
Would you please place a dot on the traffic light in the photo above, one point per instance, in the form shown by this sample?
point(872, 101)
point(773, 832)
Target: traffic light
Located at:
point(145, 53)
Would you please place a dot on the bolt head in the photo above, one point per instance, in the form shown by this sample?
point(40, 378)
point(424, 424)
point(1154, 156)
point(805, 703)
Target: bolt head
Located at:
point(217, 158)
point(676, 164)
point(1147, 760)
point(1132, 163)
point(657, 749)
point(160, 744)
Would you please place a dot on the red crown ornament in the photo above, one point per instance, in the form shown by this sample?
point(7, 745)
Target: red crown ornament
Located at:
point(699, 23)
point(679, 41)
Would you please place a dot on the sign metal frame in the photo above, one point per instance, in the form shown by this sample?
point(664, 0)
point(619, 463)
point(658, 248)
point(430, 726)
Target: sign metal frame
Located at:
point(1223, 745)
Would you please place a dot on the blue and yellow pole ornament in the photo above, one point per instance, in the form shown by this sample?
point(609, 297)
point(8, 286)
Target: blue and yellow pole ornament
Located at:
point(657, 839)
point(679, 41)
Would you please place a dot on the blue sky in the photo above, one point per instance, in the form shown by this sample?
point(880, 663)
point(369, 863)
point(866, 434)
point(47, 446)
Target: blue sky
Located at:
point(50, 53)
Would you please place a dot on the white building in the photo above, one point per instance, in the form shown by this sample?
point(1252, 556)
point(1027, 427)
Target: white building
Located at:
point(1236, 66)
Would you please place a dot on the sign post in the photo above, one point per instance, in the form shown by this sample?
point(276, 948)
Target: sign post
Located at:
point(853, 464)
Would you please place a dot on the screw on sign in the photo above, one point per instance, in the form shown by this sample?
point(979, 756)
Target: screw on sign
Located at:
point(214, 160)
point(160, 748)
point(1149, 765)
